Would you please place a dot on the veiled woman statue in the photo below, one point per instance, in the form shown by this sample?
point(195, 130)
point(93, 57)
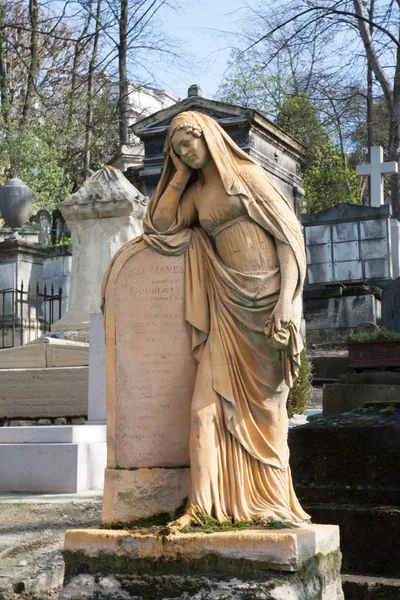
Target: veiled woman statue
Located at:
point(245, 266)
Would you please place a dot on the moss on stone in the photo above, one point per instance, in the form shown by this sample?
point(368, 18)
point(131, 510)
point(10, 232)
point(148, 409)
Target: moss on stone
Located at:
point(208, 524)
point(159, 579)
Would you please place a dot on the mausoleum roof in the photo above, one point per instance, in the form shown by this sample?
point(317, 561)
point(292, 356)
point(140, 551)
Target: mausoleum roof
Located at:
point(226, 114)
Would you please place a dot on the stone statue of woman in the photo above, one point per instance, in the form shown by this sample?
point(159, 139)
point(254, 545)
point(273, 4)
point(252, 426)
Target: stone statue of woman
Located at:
point(245, 266)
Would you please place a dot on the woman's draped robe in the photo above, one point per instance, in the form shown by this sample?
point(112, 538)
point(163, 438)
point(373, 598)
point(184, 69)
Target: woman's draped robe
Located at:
point(242, 379)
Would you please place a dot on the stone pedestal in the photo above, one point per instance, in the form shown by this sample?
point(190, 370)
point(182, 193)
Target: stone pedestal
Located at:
point(345, 471)
point(104, 214)
point(53, 460)
point(301, 563)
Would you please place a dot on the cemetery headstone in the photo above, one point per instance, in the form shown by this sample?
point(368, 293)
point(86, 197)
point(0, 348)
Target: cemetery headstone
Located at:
point(150, 379)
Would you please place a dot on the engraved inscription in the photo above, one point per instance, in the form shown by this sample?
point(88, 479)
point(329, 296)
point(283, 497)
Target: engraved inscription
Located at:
point(155, 369)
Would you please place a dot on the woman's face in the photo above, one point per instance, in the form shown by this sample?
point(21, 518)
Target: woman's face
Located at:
point(191, 150)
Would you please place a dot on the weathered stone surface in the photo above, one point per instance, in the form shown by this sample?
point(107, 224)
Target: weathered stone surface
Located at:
point(141, 493)
point(41, 393)
point(328, 364)
point(369, 537)
point(152, 376)
point(391, 306)
point(344, 397)
point(355, 458)
point(372, 377)
point(348, 243)
point(345, 312)
point(352, 480)
point(292, 564)
point(317, 586)
point(78, 421)
point(150, 381)
point(238, 551)
point(15, 202)
point(45, 352)
point(103, 214)
point(364, 587)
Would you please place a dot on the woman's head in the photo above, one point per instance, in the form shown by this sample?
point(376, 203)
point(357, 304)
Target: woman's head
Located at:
point(186, 139)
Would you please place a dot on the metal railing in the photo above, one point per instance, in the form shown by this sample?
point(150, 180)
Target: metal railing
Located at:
point(26, 314)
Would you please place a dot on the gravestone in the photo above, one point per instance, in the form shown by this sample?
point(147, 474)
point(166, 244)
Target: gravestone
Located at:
point(44, 219)
point(150, 380)
point(391, 306)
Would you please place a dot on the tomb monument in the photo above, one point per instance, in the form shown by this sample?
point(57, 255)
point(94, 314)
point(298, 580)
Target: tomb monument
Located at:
point(202, 345)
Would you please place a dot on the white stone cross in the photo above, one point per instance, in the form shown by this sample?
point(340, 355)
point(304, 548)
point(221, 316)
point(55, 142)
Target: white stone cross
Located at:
point(376, 170)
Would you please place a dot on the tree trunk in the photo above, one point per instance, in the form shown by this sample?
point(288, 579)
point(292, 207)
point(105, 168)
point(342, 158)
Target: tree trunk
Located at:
point(123, 80)
point(370, 99)
point(394, 138)
point(5, 101)
point(392, 98)
point(89, 106)
point(33, 64)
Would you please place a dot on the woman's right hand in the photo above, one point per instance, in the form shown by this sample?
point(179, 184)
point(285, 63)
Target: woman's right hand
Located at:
point(183, 172)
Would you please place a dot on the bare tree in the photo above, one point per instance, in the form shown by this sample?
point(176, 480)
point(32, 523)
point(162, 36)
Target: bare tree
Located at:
point(33, 62)
point(364, 37)
point(90, 91)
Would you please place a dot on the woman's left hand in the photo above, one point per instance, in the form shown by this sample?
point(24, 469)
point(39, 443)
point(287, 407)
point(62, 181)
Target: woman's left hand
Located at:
point(281, 316)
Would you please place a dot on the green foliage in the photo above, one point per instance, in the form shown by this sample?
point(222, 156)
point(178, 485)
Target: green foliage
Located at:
point(380, 332)
point(328, 180)
point(299, 117)
point(249, 85)
point(34, 153)
point(300, 394)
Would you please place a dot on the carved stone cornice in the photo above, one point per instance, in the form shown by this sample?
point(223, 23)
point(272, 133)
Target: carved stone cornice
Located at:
point(106, 194)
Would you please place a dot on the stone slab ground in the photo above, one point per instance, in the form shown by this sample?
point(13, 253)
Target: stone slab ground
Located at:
point(31, 543)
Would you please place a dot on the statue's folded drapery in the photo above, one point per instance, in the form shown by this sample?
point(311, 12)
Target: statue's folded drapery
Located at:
point(243, 380)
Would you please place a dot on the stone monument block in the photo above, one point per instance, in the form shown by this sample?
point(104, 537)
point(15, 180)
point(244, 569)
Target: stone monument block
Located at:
point(104, 214)
point(150, 380)
point(391, 306)
point(97, 370)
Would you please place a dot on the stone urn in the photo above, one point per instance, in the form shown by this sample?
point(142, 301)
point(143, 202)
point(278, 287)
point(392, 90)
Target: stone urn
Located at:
point(15, 202)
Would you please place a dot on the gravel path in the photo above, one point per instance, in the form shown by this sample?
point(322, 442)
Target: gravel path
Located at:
point(31, 544)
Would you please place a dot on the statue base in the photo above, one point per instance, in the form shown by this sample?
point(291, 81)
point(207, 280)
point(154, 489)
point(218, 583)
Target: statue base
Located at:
point(302, 563)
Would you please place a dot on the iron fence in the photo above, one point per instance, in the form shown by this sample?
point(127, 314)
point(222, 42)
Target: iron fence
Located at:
point(27, 314)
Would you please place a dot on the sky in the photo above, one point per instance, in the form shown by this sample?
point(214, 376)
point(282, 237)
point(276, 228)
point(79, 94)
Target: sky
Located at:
point(209, 30)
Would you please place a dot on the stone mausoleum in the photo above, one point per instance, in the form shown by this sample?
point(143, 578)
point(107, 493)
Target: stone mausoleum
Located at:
point(269, 145)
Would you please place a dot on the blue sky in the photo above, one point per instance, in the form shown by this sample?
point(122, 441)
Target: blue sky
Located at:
point(209, 30)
